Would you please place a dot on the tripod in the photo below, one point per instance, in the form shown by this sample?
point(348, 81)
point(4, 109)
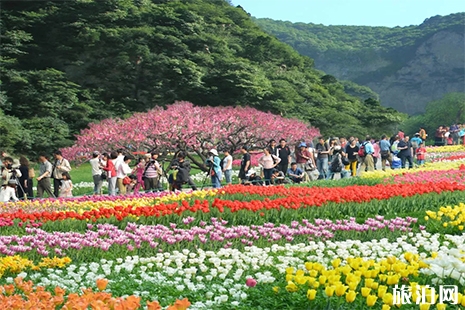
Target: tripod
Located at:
point(206, 177)
point(163, 175)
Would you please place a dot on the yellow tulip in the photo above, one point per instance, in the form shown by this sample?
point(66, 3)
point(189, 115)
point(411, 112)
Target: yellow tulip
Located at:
point(329, 290)
point(322, 280)
point(308, 266)
point(350, 296)
point(299, 279)
point(391, 280)
point(424, 306)
point(313, 273)
point(382, 289)
point(276, 289)
point(371, 300)
point(290, 270)
point(291, 287)
point(388, 299)
point(386, 307)
point(353, 285)
point(336, 262)
point(365, 291)
point(408, 256)
point(341, 289)
point(311, 294)
point(369, 282)
point(375, 285)
point(440, 306)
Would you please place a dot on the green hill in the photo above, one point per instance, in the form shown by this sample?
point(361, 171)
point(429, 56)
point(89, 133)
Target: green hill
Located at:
point(406, 66)
point(67, 63)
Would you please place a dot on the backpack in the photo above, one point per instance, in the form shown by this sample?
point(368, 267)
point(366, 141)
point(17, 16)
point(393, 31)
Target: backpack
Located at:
point(222, 163)
point(336, 165)
point(414, 143)
point(361, 150)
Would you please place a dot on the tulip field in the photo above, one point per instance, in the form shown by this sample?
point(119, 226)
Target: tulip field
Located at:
point(342, 244)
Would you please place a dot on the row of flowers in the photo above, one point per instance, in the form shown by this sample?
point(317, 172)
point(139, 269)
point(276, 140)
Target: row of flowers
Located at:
point(213, 278)
point(432, 166)
point(17, 264)
point(101, 202)
point(445, 149)
point(448, 216)
point(25, 295)
point(453, 175)
point(103, 236)
point(287, 198)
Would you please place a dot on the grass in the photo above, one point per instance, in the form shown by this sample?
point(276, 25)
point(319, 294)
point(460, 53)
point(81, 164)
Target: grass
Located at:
point(83, 173)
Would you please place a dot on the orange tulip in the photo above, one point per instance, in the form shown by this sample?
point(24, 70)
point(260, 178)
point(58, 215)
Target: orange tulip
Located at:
point(153, 305)
point(9, 289)
point(102, 284)
point(182, 304)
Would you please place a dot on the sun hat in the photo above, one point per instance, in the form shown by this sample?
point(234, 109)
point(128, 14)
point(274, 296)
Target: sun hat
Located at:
point(214, 152)
point(251, 171)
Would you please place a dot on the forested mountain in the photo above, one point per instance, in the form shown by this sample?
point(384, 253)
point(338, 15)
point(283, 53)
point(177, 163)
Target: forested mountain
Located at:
point(67, 63)
point(407, 66)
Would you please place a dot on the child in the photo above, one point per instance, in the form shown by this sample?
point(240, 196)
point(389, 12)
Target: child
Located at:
point(9, 192)
point(421, 154)
point(66, 186)
point(139, 172)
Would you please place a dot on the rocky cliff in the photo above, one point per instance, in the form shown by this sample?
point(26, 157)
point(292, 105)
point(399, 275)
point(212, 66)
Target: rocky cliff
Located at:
point(408, 67)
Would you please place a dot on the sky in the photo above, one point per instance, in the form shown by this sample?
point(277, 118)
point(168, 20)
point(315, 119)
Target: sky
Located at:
point(389, 13)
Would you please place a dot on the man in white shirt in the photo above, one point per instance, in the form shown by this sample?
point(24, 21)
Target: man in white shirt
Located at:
point(122, 170)
point(95, 163)
point(227, 166)
point(119, 159)
point(8, 192)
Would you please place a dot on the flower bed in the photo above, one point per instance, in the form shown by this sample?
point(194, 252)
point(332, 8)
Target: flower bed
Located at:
point(339, 245)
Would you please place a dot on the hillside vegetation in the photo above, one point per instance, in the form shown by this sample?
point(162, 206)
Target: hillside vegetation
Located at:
point(67, 63)
point(407, 66)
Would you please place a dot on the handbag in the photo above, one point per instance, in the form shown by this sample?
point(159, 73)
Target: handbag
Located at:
point(103, 176)
point(31, 172)
point(126, 180)
point(345, 161)
point(309, 166)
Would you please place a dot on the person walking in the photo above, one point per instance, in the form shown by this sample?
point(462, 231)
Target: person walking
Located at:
point(284, 153)
point(405, 152)
point(322, 150)
point(227, 167)
point(268, 161)
point(352, 152)
point(122, 171)
point(367, 158)
point(25, 190)
point(109, 167)
point(60, 166)
point(214, 162)
point(385, 149)
point(95, 163)
point(43, 180)
point(245, 164)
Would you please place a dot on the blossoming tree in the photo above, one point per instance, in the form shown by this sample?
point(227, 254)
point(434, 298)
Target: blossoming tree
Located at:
point(193, 129)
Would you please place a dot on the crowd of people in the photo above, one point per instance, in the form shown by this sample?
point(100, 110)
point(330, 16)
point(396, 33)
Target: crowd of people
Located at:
point(278, 164)
point(18, 175)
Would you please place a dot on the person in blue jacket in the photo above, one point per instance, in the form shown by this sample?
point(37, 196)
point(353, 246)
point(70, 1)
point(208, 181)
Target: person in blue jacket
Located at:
point(214, 162)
